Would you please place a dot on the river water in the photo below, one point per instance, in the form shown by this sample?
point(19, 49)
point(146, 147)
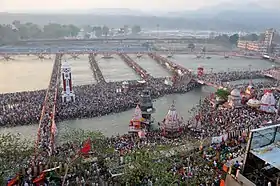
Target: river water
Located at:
point(24, 73)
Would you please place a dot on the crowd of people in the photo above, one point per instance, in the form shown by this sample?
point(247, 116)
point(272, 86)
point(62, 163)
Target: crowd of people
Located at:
point(23, 108)
point(101, 99)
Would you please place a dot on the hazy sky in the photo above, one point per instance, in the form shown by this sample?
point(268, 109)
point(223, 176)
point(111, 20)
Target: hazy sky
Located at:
point(150, 5)
point(33, 5)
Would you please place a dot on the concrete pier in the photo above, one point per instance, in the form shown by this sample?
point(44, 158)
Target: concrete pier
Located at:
point(161, 63)
point(136, 67)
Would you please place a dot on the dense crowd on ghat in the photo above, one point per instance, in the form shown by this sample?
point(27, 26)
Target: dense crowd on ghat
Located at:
point(22, 108)
point(198, 165)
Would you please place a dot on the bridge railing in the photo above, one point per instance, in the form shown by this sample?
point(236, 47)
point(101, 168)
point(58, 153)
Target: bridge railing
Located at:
point(44, 134)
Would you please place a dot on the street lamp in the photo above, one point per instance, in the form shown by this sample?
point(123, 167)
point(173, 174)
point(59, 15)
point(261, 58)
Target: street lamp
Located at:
point(250, 73)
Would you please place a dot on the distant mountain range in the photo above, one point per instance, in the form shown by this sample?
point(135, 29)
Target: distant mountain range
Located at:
point(231, 17)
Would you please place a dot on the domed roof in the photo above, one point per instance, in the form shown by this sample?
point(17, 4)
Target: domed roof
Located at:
point(253, 103)
point(65, 64)
point(268, 99)
point(235, 93)
point(137, 114)
point(172, 118)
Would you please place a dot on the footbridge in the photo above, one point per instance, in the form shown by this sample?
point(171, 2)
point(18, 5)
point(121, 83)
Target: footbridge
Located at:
point(170, 64)
point(136, 67)
point(272, 73)
point(47, 127)
point(97, 74)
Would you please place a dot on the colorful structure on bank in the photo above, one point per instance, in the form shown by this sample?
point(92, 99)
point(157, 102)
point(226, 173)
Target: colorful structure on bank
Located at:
point(136, 121)
point(268, 102)
point(67, 93)
point(234, 98)
point(171, 125)
point(142, 118)
point(200, 71)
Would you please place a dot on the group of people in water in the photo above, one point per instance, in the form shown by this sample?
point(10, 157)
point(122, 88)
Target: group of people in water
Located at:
point(100, 99)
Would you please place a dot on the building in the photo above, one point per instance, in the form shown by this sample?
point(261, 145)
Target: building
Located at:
point(249, 45)
point(262, 162)
point(268, 41)
point(266, 45)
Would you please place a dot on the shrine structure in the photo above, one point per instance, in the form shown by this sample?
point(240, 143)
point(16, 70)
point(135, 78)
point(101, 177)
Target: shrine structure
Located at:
point(171, 126)
point(67, 93)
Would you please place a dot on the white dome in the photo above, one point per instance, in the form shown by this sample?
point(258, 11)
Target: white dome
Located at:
point(268, 99)
point(268, 102)
point(253, 103)
point(235, 93)
point(172, 119)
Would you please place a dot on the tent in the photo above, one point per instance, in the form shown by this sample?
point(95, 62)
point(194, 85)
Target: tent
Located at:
point(268, 102)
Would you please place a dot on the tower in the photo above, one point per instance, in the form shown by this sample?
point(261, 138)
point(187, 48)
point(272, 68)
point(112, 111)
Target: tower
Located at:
point(146, 106)
point(67, 93)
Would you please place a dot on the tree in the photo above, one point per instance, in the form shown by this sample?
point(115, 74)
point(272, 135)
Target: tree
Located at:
point(98, 31)
point(136, 29)
point(251, 37)
point(191, 46)
point(222, 38)
point(233, 39)
point(148, 164)
point(15, 153)
point(105, 31)
point(222, 94)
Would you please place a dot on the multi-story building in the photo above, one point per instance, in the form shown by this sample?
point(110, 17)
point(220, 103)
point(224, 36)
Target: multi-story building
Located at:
point(265, 46)
point(267, 42)
point(249, 45)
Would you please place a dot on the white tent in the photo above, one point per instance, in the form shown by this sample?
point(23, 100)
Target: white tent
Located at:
point(254, 103)
point(268, 102)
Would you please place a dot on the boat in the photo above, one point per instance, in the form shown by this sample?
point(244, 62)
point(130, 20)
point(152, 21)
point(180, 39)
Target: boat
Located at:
point(170, 55)
point(208, 57)
point(265, 56)
point(138, 55)
point(107, 56)
point(171, 125)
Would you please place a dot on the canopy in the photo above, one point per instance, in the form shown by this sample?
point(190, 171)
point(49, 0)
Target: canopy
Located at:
point(235, 93)
point(268, 102)
point(253, 103)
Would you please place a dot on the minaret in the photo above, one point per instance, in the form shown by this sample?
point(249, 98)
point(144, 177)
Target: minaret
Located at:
point(67, 93)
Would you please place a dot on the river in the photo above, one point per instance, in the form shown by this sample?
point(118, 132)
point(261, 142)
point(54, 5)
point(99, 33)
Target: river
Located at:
point(30, 74)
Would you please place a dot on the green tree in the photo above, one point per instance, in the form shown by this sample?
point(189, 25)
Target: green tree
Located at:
point(233, 39)
point(251, 37)
point(222, 93)
point(191, 46)
point(136, 29)
point(222, 38)
point(105, 30)
point(98, 31)
point(146, 164)
point(14, 154)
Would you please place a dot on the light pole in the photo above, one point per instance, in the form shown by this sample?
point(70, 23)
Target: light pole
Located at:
point(250, 73)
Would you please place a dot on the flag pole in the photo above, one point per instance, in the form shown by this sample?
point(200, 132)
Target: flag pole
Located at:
point(65, 175)
point(67, 168)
